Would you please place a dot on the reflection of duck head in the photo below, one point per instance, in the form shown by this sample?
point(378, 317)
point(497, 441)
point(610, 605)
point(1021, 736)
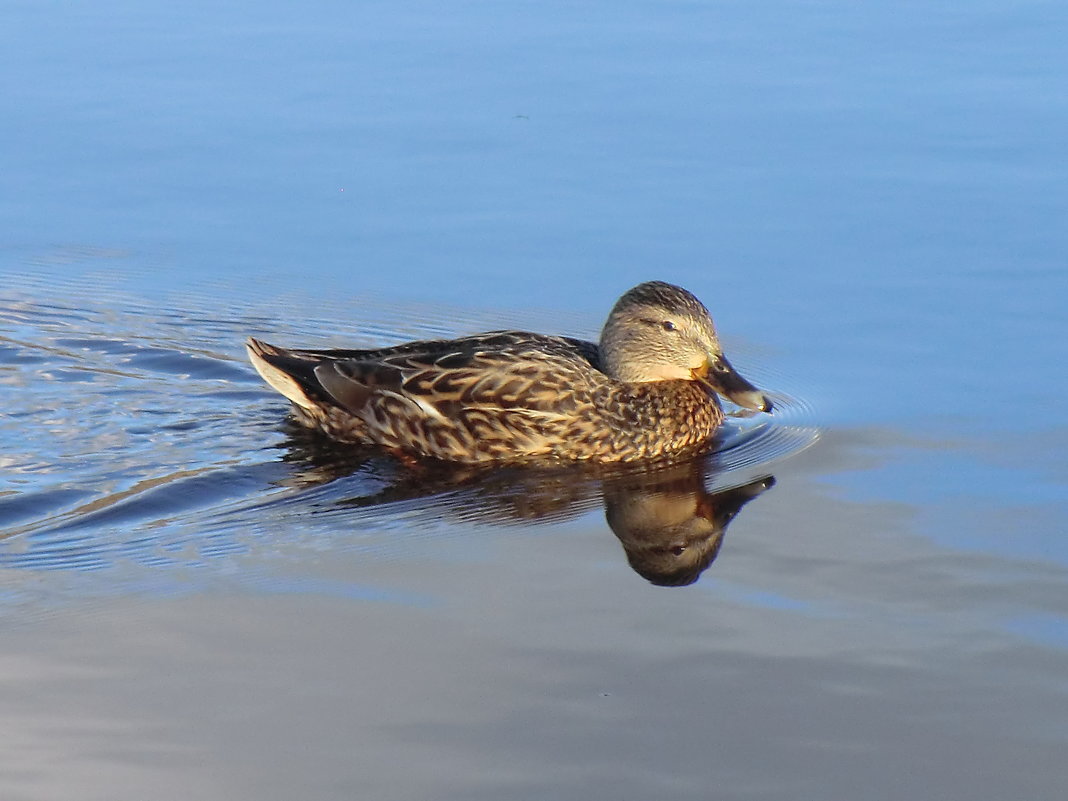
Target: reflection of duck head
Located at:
point(670, 526)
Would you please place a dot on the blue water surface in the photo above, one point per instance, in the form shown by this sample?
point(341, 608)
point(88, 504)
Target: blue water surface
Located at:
point(870, 198)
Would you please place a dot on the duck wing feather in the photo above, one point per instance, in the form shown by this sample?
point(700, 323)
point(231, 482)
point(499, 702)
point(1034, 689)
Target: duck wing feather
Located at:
point(504, 391)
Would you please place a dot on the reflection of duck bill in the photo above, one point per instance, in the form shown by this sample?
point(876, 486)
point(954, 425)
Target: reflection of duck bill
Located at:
point(723, 506)
point(671, 534)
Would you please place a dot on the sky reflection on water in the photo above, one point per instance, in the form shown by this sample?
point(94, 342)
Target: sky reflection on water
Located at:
point(869, 198)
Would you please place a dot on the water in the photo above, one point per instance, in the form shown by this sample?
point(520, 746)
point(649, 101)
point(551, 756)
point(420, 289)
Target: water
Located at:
point(863, 597)
point(142, 426)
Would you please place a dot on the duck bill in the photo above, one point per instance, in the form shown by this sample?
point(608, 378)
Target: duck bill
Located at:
point(724, 379)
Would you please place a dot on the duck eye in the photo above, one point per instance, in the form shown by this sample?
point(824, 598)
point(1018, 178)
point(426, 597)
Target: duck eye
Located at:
point(669, 326)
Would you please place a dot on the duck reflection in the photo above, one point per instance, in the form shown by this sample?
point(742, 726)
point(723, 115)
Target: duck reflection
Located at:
point(670, 525)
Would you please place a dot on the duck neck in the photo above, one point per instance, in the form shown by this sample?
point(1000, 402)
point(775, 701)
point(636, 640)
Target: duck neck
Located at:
point(614, 348)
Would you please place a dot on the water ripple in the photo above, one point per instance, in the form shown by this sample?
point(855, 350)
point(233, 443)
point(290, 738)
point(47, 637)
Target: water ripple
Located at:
point(138, 433)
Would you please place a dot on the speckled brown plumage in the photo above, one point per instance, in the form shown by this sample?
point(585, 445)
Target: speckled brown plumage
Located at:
point(513, 395)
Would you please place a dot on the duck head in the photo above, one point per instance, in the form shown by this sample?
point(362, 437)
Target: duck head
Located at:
point(660, 332)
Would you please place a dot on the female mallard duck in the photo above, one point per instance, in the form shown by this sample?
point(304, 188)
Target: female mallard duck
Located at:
point(646, 391)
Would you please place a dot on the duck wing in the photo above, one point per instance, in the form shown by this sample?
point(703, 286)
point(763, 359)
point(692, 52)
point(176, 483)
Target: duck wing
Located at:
point(503, 370)
point(513, 388)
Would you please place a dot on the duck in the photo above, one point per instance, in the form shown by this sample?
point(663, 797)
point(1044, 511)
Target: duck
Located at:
point(647, 390)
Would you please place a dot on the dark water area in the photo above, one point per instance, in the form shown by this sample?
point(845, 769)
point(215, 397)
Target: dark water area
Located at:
point(863, 595)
